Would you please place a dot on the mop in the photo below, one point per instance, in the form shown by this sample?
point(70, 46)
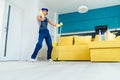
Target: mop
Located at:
point(59, 25)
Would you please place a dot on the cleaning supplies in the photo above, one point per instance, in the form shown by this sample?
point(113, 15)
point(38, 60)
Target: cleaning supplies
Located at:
point(99, 35)
point(102, 36)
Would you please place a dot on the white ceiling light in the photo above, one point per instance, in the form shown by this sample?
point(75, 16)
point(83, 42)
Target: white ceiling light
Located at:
point(83, 9)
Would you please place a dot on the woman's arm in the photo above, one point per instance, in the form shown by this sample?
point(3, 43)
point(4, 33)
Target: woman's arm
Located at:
point(39, 18)
point(52, 23)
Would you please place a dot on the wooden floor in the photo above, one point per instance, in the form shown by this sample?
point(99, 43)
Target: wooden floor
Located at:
point(43, 70)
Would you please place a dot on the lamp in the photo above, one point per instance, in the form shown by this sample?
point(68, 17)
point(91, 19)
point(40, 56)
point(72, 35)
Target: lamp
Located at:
point(83, 9)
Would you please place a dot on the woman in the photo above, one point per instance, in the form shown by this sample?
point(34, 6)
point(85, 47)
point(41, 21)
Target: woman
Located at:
point(44, 34)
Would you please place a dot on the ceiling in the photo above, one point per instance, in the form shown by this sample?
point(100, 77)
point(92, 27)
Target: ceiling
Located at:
point(66, 6)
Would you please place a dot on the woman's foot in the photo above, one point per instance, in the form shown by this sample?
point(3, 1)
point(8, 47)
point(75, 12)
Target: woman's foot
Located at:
point(50, 60)
point(33, 60)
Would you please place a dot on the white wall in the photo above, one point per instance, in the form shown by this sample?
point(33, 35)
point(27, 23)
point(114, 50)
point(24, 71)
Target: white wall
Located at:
point(30, 27)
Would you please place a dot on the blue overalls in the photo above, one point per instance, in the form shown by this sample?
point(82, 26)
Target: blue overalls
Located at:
point(43, 34)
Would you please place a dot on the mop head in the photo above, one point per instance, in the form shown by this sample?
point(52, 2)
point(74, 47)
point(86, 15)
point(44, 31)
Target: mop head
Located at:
point(59, 25)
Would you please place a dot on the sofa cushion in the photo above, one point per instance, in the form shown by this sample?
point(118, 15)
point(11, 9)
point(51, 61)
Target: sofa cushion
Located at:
point(74, 52)
point(80, 40)
point(65, 41)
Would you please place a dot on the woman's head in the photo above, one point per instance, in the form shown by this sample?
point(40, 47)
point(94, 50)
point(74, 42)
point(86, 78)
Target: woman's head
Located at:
point(45, 11)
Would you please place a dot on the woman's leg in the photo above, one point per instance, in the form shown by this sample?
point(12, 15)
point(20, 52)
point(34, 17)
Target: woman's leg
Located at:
point(38, 45)
point(49, 45)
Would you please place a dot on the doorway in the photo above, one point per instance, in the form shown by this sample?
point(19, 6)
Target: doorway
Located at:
point(12, 32)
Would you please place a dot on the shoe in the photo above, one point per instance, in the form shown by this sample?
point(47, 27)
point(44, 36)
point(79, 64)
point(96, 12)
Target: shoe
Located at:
point(50, 60)
point(33, 60)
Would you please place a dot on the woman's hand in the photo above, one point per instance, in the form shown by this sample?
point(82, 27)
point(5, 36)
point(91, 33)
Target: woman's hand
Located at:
point(39, 18)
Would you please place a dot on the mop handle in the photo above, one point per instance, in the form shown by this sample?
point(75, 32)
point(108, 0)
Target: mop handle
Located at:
point(59, 41)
